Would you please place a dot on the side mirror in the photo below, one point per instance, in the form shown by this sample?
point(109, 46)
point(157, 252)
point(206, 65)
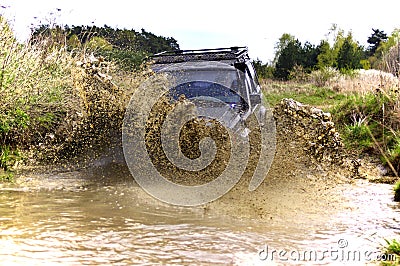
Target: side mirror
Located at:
point(255, 99)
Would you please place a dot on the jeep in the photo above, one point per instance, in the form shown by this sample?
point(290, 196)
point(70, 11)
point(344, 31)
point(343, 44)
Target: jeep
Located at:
point(225, 75)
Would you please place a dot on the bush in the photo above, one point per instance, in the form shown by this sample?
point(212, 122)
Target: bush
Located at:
point(264, 71)
point(298, 74)
point(324, 76)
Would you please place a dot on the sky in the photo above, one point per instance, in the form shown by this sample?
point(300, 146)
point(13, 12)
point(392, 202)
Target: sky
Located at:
point(212, 23)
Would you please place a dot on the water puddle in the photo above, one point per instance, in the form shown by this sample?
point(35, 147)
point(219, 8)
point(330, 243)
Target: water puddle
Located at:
point(102, 223)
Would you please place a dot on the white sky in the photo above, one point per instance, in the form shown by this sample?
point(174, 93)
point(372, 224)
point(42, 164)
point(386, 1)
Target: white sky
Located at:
point(213, 23)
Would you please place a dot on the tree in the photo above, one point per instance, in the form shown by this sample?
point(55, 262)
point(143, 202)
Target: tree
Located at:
point(152, 43)
point(129, 48)
point(376, 38)
point(284, 40)
point(326, 57)
point(264, 71)
point(349, 55)
point(98, 44)
point(309, 56)
point(288, 58)
point(290, 53)
point(391, 41)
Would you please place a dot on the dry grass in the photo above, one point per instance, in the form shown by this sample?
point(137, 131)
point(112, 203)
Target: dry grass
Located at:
point(365, 81)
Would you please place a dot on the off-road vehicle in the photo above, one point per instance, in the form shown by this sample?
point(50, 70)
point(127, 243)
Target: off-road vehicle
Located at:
point(226, 75)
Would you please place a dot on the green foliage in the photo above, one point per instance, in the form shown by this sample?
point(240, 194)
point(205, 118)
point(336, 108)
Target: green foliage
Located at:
point(13, 120)
point(128, 48)
point(393, 247)
point(376, 38)
point(152, 43)
point(46, 120)
point(345, 54)
point(378, 58)
point(8, 157)
point(325, 57)
point(4, 157)
point(357, 136)
point(365, 64)
point(306, 94)
point(358, 107)
point(350, 73)
point(349, 55)
point(392, 40)
point(6, 177)
point(126, 59)
point(365, 125)
point(33, 83)
point(288, 58)
point(294, 54)
point(264, 71)
point(281, 45)
point(98, 44)
point(58, 101)
point(73, 42)
point(323, 76)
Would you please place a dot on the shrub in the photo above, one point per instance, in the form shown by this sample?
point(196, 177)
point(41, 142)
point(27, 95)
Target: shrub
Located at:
point(324, 76)
point(298, 74)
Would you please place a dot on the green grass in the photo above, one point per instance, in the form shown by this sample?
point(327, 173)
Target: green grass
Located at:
point(307, 94)
point(392, 248)
point(367, 124)
point(357, 136)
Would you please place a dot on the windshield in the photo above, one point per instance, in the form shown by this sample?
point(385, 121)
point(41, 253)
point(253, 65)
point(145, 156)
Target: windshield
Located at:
point(209, 89)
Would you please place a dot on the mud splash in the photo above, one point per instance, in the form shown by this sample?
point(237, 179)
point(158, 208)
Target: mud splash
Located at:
point(309, 164)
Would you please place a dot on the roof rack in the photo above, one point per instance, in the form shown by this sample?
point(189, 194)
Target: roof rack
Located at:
point(236, 54)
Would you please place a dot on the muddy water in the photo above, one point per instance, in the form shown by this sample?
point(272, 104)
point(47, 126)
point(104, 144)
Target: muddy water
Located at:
point(102, 218)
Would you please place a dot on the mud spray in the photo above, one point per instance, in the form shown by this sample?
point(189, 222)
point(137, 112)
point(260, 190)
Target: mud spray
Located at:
point(309, 158)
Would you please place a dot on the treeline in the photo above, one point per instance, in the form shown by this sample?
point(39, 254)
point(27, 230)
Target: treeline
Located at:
point(292, 58)
point(342, 52)
point(125, 46)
